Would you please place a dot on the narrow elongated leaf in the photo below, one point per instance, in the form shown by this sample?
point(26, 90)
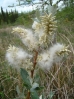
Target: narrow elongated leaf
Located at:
point(51, 94)
point(35, 19)
point(38, 14)
point(37, 78)
point(40, 97)
point(52, 9)
point(25, 72)
point(39, 88)
point(18, 90)
point(34, 94)
point(35, 85)
point(25, 78)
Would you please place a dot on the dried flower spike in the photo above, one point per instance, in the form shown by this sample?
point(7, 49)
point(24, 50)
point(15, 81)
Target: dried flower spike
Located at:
point(49, 23)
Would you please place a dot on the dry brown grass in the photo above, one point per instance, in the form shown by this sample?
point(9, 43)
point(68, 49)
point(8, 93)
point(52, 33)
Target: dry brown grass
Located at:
point(9, 78)
point(60, 79)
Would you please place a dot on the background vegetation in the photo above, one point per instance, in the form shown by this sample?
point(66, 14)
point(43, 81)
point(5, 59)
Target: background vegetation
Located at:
point(15, 18)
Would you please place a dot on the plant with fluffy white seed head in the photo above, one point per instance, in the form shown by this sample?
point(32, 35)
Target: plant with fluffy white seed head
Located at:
point(41, 39)
point(30, 41)
point(57, 52)
point(37, 42)
point(17, 57)
point(53, 55)
point(45, 61)
point(43, 55)
point(54, 50)
point(19, 30)
point(27, 38)
point(44, 30)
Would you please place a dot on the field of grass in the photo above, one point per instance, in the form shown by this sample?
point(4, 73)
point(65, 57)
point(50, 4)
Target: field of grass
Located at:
point(59, 80)
point(9, 78)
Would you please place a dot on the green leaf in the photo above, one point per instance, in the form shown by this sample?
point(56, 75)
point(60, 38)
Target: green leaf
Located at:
point(36, 87)
point(29, 1)
point(1, 94)
point(52, 9)
point(35, 19)
point(39, 88)
point(51, 94)
point(41, 97)
point(20, 94)
point(17, 89)
point(34, 94)
point(25, 72)
point(25, 78)
point(38, 14)
point(37, 78)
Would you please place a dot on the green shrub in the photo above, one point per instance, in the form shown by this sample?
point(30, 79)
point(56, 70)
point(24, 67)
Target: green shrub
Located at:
point(66, 14)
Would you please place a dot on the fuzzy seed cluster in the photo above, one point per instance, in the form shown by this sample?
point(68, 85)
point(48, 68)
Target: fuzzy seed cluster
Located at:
point(37, 40)
point(49, 23)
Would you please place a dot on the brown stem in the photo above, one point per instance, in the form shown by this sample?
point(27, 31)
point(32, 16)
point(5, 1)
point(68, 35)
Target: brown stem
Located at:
point(34, 63)
point(28, 95)
point(32, 71)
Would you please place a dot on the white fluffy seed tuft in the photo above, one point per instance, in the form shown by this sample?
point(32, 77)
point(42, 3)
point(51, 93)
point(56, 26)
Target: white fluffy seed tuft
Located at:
point(46, 59)
point(17, 57)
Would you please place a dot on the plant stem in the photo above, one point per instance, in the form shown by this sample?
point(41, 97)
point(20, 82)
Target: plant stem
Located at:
point(32, 71)
point(34, 63)
point(28, 95)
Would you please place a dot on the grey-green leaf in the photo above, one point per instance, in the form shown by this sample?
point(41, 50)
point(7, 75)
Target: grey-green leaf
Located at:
point(38, 14)
point(25, 72)
point(25, 78)
point(17, 89)
point(34, 94)
point(52, 9)
point(51, 94)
